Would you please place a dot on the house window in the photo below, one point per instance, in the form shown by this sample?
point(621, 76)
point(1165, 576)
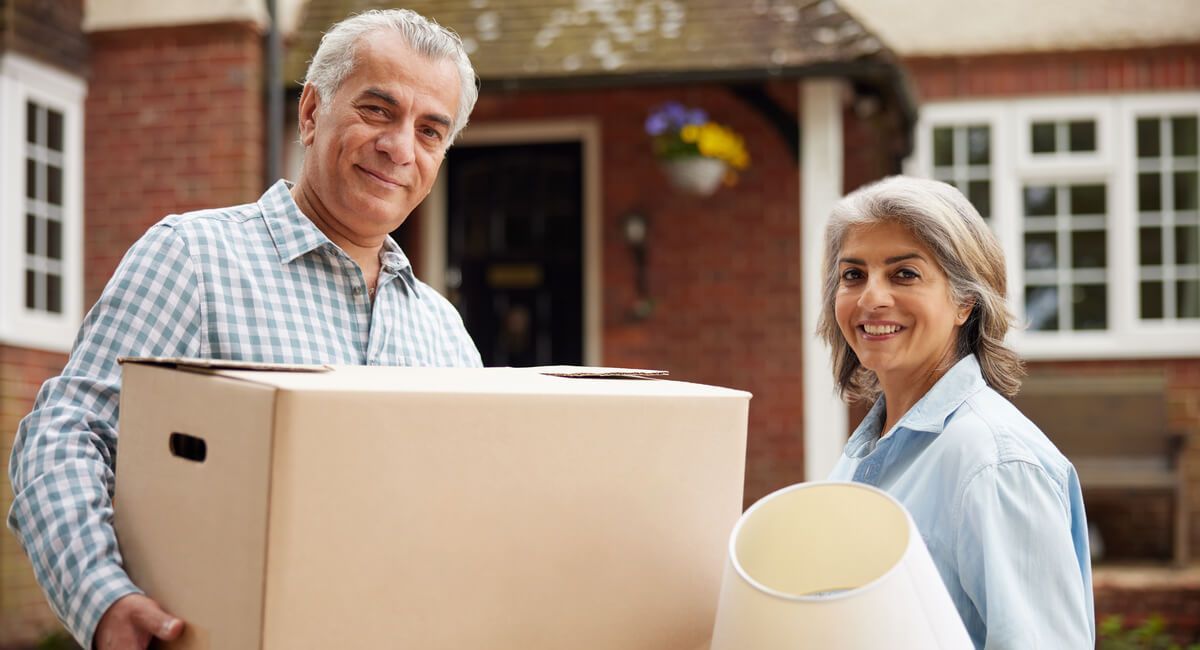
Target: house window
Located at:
point(1168, 217)
point(41, 167)
point(962, 157)
point(43, 208)
point(1096, 201)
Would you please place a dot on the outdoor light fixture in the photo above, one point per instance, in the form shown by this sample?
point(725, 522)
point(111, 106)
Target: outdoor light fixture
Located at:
point(636, 230)
point(807, 565)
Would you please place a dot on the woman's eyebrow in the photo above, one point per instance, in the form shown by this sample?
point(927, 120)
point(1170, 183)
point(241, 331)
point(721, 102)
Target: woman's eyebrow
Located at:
point(890, 260)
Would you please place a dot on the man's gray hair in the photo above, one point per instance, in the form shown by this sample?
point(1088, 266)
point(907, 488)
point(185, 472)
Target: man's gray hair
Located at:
point(334, 60)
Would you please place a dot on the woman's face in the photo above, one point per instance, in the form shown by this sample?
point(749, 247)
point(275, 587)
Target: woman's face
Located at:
point(893, 303)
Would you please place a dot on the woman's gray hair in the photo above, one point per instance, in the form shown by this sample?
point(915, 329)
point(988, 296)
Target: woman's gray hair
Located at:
point(334, 60)
point(942, 219)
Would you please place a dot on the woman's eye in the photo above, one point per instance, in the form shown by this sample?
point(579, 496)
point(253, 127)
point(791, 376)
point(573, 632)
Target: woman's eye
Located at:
point(907, 274)
point(851, 274)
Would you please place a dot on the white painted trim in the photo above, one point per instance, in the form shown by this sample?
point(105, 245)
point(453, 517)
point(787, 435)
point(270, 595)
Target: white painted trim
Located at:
point(22, 79)
point(1115, 164)
point(825, 414)
point(587, 133)
point(102, 15)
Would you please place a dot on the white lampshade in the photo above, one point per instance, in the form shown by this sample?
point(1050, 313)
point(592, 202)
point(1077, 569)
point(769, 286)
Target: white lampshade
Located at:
point(832, 565)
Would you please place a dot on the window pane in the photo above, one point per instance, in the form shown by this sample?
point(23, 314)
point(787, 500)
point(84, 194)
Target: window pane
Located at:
point(1082, 136)
point(1088, 250)
point(980, 196)
point(1090, 308)
point(54, 183)
point(1043, 137)
point(1147, 136)
point(31, 169)
point(1149, 192)
point(31, 122)
point(1187, 244)
point(1041, 308)
point(1187, 298)
point(1152, 300)
point(943, 147)
point(31, 235)
point(1185, 190)
point(53, 293)
point(1183, 136)
point(1040, 251)
point(1040, 201)
point(54, 130)
point(1150, 246)
point(1087, 199)
point(978, 147)
point(30, 289)
point(53, 239)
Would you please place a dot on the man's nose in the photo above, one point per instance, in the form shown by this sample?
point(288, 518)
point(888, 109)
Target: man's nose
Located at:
point(398, 144)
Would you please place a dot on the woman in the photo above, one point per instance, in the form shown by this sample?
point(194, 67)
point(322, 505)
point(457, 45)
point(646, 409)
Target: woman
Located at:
point(914, 311)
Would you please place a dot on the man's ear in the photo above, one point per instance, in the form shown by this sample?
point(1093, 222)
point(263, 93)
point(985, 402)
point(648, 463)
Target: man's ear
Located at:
point(310, 103)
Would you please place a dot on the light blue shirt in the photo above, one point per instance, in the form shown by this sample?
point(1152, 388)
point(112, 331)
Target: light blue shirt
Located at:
point(251, 282)
point(998, 506)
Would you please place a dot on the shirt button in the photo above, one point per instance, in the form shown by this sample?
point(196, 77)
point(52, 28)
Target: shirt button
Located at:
point(357, 290)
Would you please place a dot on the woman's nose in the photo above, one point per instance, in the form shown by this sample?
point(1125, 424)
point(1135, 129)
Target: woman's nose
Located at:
point(875, 295)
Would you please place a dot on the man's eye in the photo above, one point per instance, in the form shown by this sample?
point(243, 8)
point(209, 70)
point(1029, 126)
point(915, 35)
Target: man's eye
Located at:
point(375, 110)
point(431, 132)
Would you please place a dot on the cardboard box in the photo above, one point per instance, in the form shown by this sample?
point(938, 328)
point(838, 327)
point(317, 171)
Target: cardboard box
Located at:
point(367, 507)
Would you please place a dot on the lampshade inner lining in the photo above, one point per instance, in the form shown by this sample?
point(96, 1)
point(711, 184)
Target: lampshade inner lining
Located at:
point(822, 541)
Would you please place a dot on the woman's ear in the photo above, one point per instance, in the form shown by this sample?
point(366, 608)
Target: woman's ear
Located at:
point(964, 312)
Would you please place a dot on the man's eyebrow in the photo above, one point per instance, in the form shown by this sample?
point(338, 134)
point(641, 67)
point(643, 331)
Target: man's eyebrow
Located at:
point(382, 95)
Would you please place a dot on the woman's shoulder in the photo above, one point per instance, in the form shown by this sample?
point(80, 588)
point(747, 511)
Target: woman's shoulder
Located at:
point(988, 430)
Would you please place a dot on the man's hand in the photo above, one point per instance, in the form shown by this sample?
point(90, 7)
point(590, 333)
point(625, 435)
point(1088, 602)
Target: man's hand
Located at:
point(131, 622)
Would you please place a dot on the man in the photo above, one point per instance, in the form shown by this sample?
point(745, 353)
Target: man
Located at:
point(307, 274)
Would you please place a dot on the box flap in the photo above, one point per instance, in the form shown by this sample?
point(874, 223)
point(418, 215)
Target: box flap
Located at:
point(223, 364)
point(586, 372)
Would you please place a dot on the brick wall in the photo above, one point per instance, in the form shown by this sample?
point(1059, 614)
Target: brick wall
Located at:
point(173, 123)
point(1056, 73)
point(25, 614)
point(46, 31)
point(724, 270)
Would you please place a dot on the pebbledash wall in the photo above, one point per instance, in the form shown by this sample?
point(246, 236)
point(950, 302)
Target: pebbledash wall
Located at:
point(173, 123)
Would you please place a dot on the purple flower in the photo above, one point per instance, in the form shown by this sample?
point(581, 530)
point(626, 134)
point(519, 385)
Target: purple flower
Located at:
point(673, 116)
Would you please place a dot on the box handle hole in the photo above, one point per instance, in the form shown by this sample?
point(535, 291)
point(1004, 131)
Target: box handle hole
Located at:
point(189, 447)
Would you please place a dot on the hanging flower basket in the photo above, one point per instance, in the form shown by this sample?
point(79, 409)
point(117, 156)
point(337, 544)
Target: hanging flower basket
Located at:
point(696, 175)
point(696, 154)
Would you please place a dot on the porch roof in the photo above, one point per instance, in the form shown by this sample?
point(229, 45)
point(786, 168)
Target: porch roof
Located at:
point(581, 43)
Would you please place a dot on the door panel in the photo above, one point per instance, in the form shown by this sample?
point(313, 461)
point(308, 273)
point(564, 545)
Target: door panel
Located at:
point(515, 250)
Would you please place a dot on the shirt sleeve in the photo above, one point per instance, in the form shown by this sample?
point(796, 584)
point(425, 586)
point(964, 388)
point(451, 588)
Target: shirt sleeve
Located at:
point(1017, 560)
point(64, 456)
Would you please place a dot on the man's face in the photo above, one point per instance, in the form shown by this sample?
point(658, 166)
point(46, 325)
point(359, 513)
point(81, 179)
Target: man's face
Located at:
point(374, 148)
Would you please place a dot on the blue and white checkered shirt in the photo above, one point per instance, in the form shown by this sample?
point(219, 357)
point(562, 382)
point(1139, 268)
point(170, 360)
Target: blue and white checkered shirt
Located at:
point(252, 282)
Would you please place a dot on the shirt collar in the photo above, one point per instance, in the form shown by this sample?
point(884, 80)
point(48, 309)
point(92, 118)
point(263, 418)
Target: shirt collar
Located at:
point(928, 414)
point(293, 233)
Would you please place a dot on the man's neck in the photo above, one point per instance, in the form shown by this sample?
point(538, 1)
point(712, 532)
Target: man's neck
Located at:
point(364, 253)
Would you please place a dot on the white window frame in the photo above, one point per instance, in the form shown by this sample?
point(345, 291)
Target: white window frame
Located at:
point(23, 80)
point(1115, 163)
